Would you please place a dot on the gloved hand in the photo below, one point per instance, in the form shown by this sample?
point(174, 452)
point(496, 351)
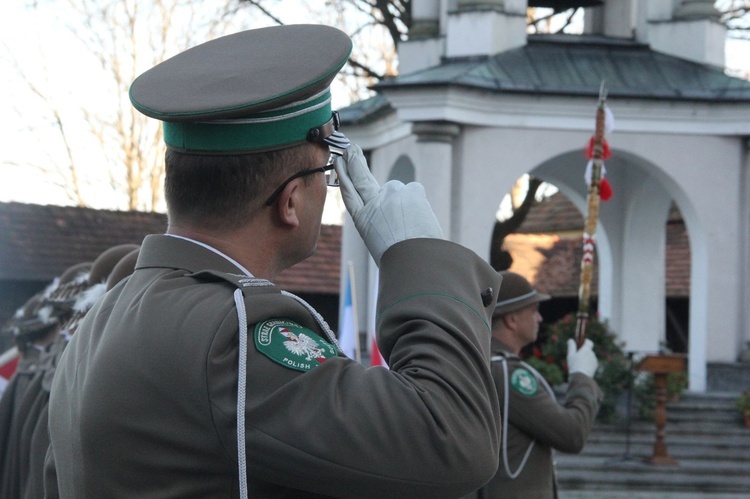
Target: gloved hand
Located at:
point(383, 215)
point(583, 360)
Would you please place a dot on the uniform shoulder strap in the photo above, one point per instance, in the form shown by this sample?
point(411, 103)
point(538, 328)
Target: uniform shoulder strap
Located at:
point(239, 281)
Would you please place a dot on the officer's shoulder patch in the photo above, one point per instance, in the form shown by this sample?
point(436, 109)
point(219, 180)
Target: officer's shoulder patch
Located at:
point(524, 382)
point(291, 345)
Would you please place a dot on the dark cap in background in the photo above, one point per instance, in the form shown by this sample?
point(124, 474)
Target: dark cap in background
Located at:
point(516, 293)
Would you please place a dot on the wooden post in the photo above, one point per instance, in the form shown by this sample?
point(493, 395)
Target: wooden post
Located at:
point(661, 366)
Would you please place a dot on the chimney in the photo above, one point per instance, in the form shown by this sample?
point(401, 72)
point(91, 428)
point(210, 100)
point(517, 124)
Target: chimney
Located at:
point(485, 27)
point(426, 44)
point(689, 29)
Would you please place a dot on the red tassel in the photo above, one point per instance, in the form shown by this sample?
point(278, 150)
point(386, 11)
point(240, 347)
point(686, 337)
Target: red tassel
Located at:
point(606, 152)
point(605, 190)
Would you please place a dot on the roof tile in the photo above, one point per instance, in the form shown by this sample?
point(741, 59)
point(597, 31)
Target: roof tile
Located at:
point(41, 241)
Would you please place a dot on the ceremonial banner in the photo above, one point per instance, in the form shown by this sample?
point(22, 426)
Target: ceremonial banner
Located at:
point(598, 190)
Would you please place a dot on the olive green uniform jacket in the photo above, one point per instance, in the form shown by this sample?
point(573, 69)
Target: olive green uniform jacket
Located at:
point(17, 406)
point(535, 415)
point(144, 402)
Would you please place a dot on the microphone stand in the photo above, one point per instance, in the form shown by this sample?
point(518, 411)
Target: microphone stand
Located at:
point(626, 457)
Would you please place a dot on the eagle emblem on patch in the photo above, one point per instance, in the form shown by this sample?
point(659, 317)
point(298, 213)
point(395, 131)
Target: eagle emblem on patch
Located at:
point(524, 382)
point(292, 345)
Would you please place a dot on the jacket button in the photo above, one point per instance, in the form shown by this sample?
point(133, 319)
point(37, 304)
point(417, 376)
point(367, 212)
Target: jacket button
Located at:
point(487, 297)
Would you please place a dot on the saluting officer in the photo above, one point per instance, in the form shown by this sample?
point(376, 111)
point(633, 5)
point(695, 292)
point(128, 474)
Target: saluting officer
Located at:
point(197, 377)
point(534, 423)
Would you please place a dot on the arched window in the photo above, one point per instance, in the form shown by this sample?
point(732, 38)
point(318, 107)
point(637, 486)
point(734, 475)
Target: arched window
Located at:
point(402, 170)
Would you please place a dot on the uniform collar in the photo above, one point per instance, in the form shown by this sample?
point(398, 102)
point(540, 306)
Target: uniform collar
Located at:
point(498, 347)
point(162, 250)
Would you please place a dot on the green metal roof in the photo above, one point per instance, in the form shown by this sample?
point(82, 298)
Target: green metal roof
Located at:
point(570, 65)
point(365, 111)
point(576, 65)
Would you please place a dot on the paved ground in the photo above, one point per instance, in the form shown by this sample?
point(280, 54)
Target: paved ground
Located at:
point(605, 494)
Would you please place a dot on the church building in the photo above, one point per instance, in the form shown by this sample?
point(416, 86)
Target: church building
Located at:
point(478, 103)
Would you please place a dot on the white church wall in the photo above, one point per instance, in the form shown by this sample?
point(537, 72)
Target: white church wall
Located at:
point(491, 161)
point(702, 174)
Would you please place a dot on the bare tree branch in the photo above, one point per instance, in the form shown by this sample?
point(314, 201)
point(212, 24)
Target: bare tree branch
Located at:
point(568, 19)
point(259, 5)
point(499, 258)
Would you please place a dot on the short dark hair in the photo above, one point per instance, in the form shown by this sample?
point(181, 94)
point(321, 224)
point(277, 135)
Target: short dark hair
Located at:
point(224, 191)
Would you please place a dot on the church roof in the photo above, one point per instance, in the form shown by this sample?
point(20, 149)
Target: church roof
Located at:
point(576, 65)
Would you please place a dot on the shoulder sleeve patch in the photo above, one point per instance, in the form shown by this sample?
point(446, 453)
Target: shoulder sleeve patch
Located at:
point(524, 382)
point(291, 345)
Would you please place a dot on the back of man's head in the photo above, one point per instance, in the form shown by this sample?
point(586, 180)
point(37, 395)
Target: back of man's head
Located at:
point(225, 191)
point(240, 113)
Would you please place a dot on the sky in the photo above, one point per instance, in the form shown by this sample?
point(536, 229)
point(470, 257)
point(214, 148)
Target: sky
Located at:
point(38, 44)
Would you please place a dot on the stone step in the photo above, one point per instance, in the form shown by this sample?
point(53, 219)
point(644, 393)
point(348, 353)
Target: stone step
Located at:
point(637, 463)
point(703, 434)
point(603, 493)
point(587, 473)
point(704, 410)
point(639, 482)
point(640, 448)
point(691, 430)
point(723, 417)
point(713, 399)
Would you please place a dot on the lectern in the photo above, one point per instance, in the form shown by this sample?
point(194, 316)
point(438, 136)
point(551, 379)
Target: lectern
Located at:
point(660, 366)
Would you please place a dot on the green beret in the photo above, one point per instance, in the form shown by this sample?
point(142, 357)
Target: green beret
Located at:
point(256, 90)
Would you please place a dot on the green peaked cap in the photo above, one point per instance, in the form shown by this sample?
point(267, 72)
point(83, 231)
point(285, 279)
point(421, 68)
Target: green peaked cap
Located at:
point(251, 91)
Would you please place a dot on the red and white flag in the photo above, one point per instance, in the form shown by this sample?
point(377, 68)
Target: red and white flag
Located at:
point(348, 321)
point(376, 359)
point(8, 365)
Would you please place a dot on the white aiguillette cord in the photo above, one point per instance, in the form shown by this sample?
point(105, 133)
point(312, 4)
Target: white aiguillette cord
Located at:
point(241, 390)
point(242, 372)
point(506, 398)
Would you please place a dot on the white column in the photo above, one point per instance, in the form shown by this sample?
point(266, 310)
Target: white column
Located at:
point(434, 165)
point(643, 268)
point(744, 237)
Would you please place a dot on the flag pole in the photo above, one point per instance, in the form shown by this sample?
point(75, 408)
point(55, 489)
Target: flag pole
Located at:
point(355, 316)
point(592, 218)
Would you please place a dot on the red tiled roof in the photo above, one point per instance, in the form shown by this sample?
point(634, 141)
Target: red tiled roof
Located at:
point(319, 273)
point(552, 215)
point(547, 250)
point(678, 260)
point(39, 242)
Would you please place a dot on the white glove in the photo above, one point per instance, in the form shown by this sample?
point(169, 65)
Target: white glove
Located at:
point(383, 215)
point(583, 360)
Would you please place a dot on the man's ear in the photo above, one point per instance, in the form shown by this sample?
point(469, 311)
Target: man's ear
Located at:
point(509, 320)
point(287, 205)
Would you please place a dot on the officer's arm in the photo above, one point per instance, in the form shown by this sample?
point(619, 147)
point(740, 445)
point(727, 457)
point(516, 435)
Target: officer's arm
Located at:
point(561, 426)
point(426, 427)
